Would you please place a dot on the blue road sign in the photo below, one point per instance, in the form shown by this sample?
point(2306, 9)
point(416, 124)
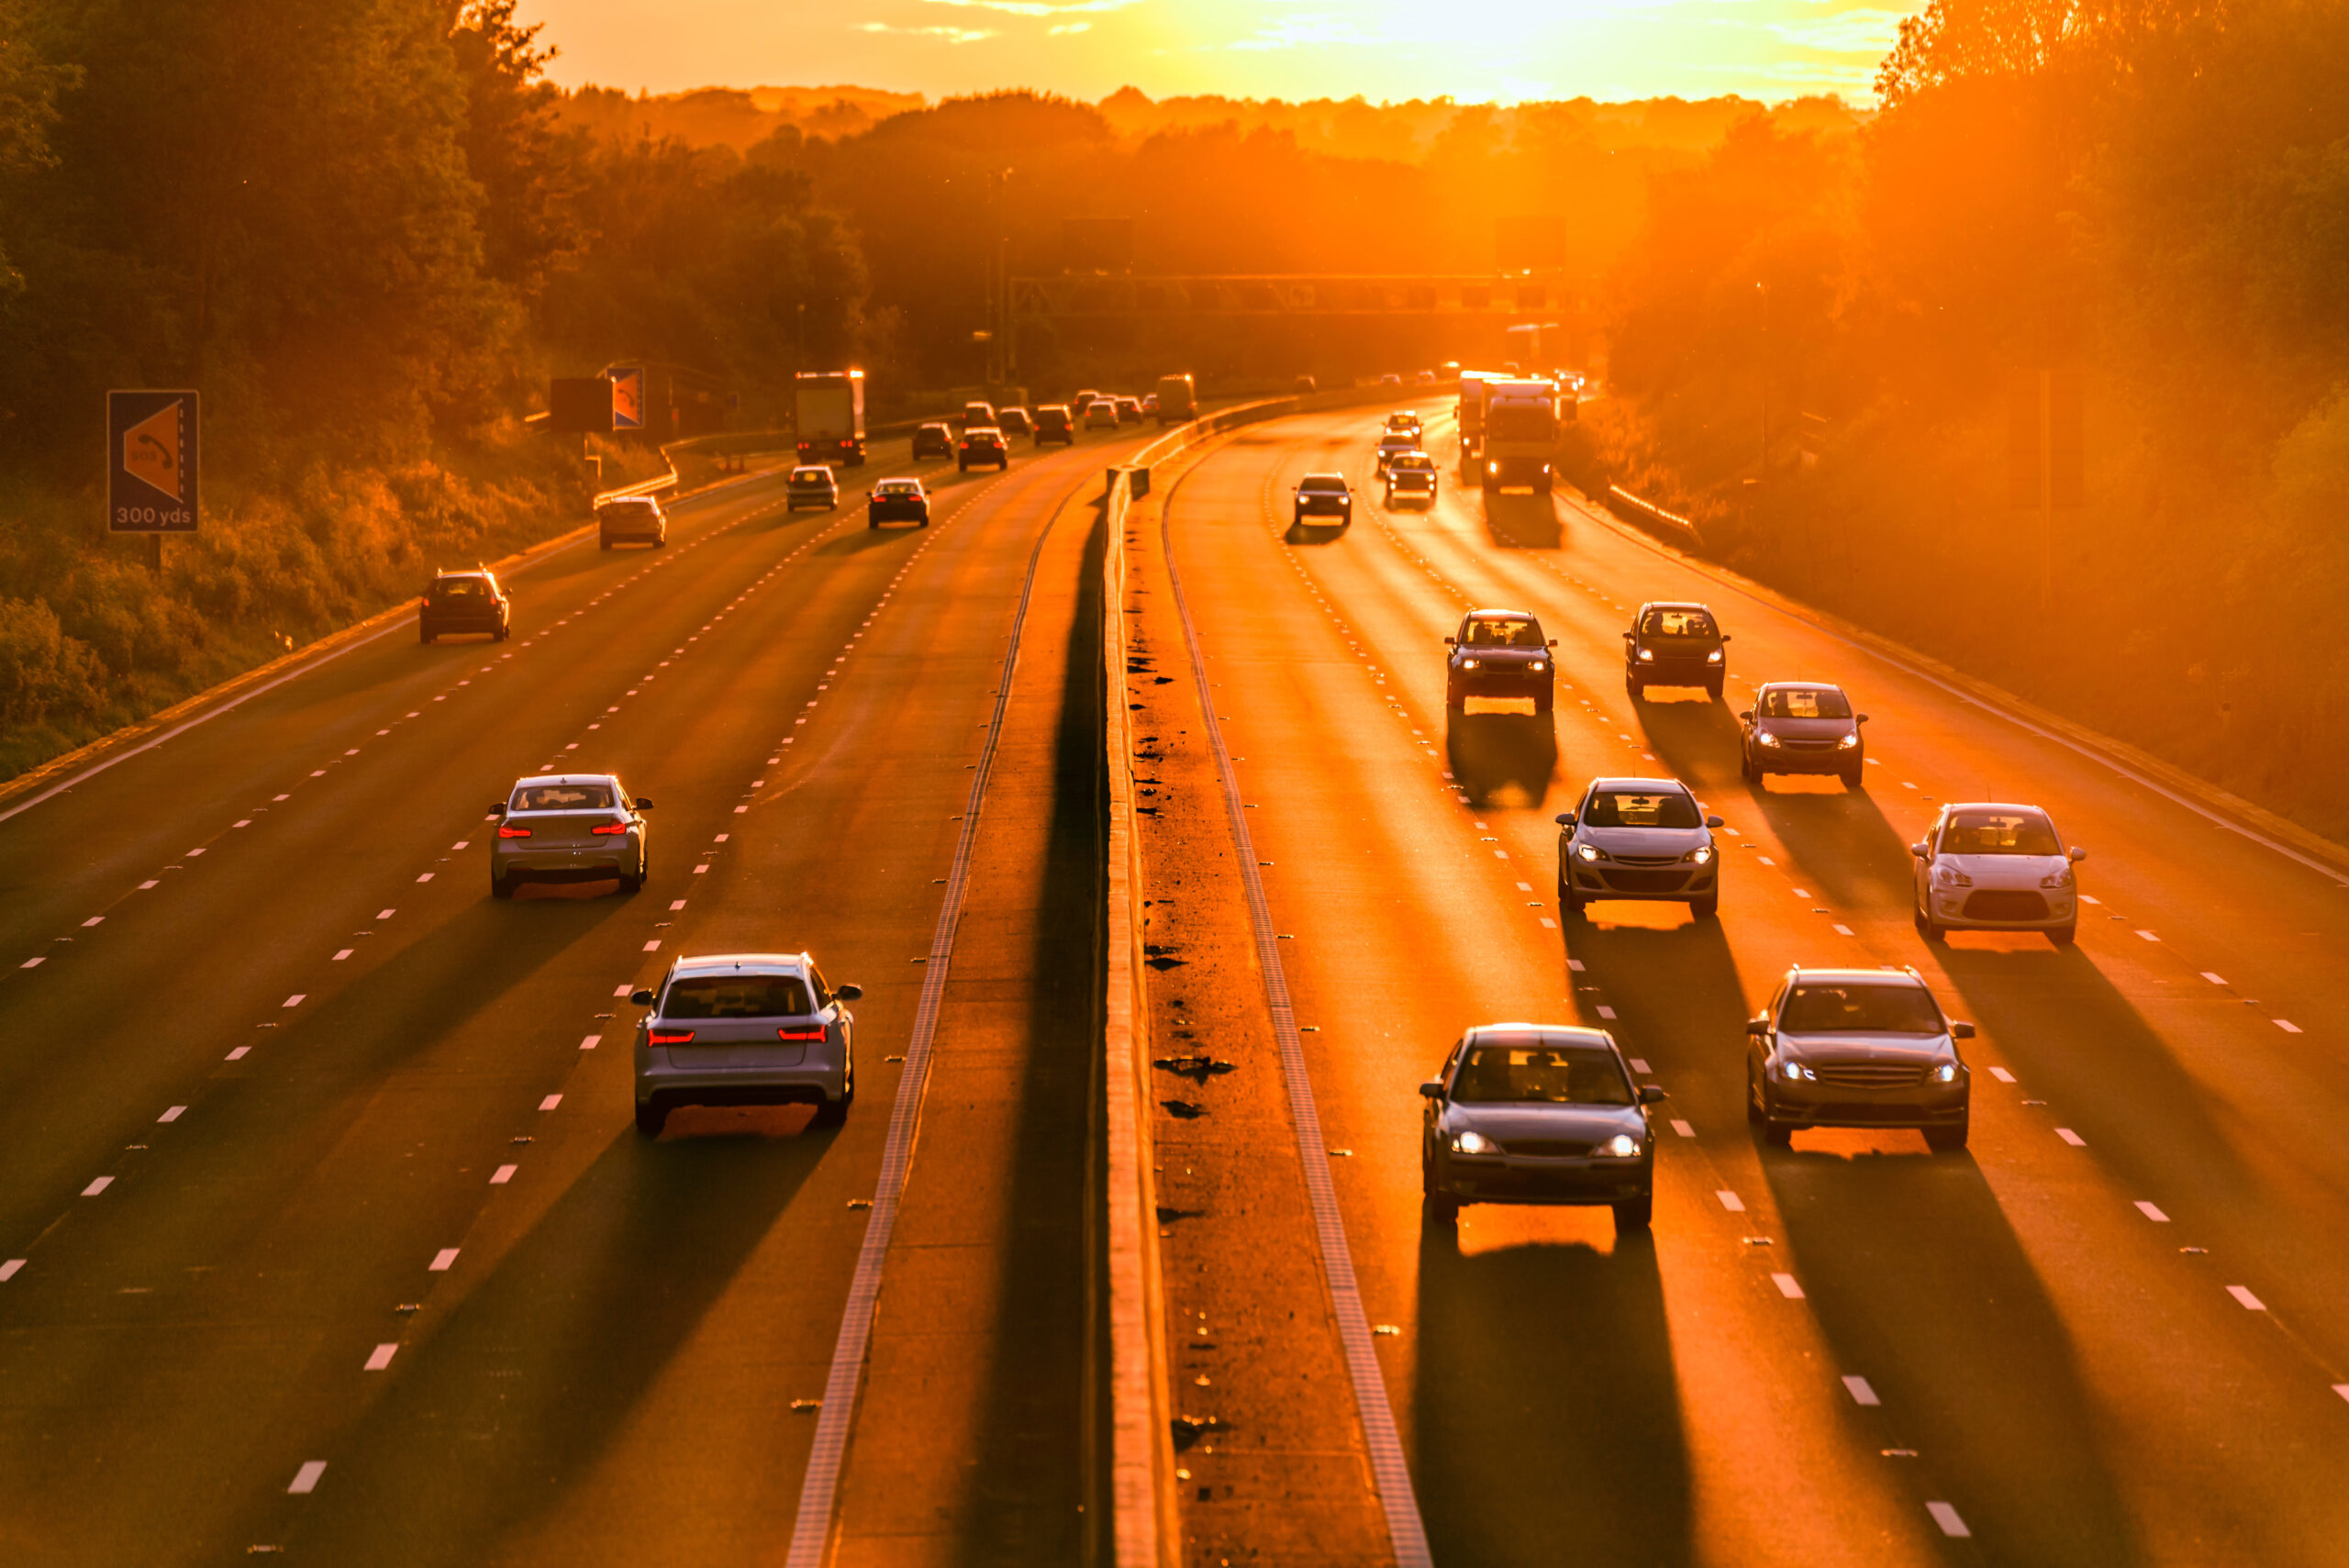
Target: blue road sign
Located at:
point(150, 463)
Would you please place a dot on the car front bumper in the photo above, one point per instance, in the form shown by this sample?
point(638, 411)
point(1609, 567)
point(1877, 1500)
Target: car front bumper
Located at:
point(1836, 1104)
point(2005, 908)
point(1783, 759)
point(1666, 883)
point(1674, 671)
point(1510, 1178)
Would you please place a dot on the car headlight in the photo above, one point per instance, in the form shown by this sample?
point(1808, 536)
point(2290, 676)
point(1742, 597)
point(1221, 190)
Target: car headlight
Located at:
point(1468, 663)
point(1795, 1072)
point(1590, 852)
point(1473, 1142)
point(2059, 878)
point(1714, 656)
point(1700, 854)
point(1848, 741)
point(1945, 1074)
point(1767, 738)
point(1537, 666)
point(1492, 468)
point(1647, 656)
point(1950, 876)
point(1622, 1146)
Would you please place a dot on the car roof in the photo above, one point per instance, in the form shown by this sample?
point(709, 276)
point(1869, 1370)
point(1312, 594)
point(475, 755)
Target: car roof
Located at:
point(481, 571)
point(1499, 615)
point(627, 501)
point(983, 430)
point(703, 963)
point(540, 780)
point(811, 470)
point(1639, 785)
point(1860, 976)
point(1311, 477)
point(900, 482)
point(937, 425)
point(1995, 805)
point(1562, 1034)
point(1674, 605)
point(1799, 685)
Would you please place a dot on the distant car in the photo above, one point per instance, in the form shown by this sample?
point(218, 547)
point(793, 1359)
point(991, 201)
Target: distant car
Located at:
point(1323, 497)
point(1405, 421)
point(1645, 839)
point(1082, 404)
point(897, 500)
point(753, 1028)
point(1410, 476)
point(1674, 645)
point(1101, 414)
point(1448, 369)
point(1150, 406)
point(1055, 423)
point(1394, 443)
point(1129, 410)
point(812, 485)
point(568, 828)
point(1425, 378)
point(1390, 379)
point(1803, 726)
point(458, 602)
point(1857, 1047)
point(1500, 653)
point(1014, 421)
point(1304, 383)
point(631, 519)
point(1987, 866)
point(935, 439)
point(983, 444)
point(975, 413)
point(1537, 1114)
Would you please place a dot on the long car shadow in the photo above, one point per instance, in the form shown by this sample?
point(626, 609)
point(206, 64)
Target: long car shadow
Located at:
point(1502, 758)
point(1546, 1406)
point(1521, 522)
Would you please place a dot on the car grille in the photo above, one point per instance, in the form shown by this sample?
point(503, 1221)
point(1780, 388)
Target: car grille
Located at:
point(1808, 745)
point(1623, 880)
point(1548, 1148)
point(1870, 1075)
point(2005, 903)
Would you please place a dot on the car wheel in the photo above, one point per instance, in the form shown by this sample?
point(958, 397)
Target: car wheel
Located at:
point(1947, 1140)
point(501, 886)
point(1634, 1215)
point(1636, 687)
point(603, 543)
point(1442, 1209)
point(2064, 936)
point(425, 637)
point(504, 630)
point(651, 1118)
point(1542, 703)
point(1705, 908)
point(872, 522)
point(1852, 777)
point(834, 1113)
point(1713, 688)
point(1756, 1111)
point(1573, 904)
point(1932, 931)
point(1778, 1134)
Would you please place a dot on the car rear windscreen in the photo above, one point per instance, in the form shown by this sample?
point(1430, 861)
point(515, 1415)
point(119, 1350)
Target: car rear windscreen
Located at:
point(563, 797)
point(737, 996)
point(1795, 702)
point(1551, 1074)
point(2000, 833)
point(1626, 809)
point(1862, 1008)
point(460, 588)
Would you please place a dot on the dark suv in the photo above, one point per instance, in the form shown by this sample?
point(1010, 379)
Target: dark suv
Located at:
point(1323, 498)
point(465, 601)
point(1674, 645)
point(1055, 423)
point(934, 440)
point(1500, 653)
point(983, 443)
point(1800, 727)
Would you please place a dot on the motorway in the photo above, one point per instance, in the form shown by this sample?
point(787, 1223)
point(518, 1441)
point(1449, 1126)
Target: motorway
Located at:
point(2114, 1330)
point(324, 1228)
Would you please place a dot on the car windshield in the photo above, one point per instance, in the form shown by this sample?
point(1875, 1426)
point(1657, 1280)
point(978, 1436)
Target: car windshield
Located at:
point(1677, 623)
point(1541, 1074)
point(459, 587)
point(1323, 484)
point(1804, 702)
point(735, 995)
point(1635, 809)
point(1414, 461)
point(1861, 1008)
point(1498, 631)
point(563, 797)
point(2000, 833)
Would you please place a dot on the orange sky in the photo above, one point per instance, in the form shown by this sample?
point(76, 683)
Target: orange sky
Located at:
point(1472, 49)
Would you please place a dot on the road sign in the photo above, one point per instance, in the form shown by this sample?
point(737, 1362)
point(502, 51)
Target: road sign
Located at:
point(150, 463)
point(627, 398)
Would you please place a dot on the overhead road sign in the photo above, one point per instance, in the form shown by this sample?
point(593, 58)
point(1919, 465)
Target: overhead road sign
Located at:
point(151, 467)
point(627, 397)
point(580, 405)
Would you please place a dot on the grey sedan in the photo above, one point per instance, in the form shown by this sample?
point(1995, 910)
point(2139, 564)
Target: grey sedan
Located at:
point(1638, 839)
point(1992, 866)
point(1857, 1047)
point(1537, 1114)
point(1803, 726)
point(753, 1028)
point(568, 828)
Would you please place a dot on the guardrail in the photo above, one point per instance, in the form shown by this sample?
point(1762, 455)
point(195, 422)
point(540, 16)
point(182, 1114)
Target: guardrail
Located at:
point(1618, 499)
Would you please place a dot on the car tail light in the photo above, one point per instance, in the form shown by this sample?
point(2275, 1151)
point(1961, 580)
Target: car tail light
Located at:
point(506, 830)
point(608, 828)
point(668, 1037)
point(799, 1034)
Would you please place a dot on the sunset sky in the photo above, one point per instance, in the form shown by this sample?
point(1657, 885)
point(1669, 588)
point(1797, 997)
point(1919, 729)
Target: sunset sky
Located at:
point(1472, 49)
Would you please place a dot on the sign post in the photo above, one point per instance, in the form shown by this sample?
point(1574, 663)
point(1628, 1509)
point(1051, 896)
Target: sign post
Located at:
point(152, 464)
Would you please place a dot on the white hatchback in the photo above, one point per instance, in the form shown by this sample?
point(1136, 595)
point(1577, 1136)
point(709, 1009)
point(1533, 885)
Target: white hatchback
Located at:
point(748, 1029)
point(1992, 867)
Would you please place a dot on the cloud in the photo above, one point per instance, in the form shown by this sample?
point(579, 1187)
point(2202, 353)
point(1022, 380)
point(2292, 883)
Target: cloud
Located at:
point(1850, 32)
point(951, 35)
point(1059, 27)
point(1040, 8)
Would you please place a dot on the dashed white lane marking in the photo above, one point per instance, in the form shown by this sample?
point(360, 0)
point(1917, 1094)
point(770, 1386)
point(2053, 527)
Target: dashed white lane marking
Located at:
point(8, 1270)
point(2287, 1025)
point(2074, 1139)
point(1549, 922)
point(2152, 1212)
point(503, 1174)
point(1843, 930)
point(701, 871)
point(295, 999)
point(741, 809)
point(1861, 1393)
point(1605, 1011)
point(2340, 1388)
point(32, 963)
point(196, 851)
point(2214, 979)
point(1788, 1287)
point(174, 1114)
point(591, 1041)
point(442, 1261)
point(94, 920)
point(550, 1102)
point(1947, 1518)
point(147, 886)
point(238, 1054)
point(2086, 898)
point(2149, 936)
point(306, 1480)
point(97, 1187)
point(1802, 893)
point(426, 877)
point(1682, 1129)
point(675, 905)
point(346, 952)
point(385, 913)
point(2002, 1076)
point(652, 946)
point(2250, 1302)
point(1731, 1201)
point(1767, 860)
point(381, 1357)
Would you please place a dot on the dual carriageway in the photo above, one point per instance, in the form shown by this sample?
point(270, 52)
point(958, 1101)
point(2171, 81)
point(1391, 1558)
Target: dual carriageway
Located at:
point(325, 1228)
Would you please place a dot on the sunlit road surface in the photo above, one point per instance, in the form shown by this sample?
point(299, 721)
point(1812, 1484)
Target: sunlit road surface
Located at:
point(2116, 1329)
point(324, 1228)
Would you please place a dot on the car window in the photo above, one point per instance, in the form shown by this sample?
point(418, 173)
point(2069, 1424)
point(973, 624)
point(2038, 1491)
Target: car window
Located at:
point(1677, 623)
point(811, 476)
point(563, 797)
point(898, 487)
point(1804, 702)
point(1324, 483)
point(459, 587)
point(1631, 808)
point(1541, 1074)
point(737, 996)
point(1861, 1008)
point(1497, 631)
point(2000, 833)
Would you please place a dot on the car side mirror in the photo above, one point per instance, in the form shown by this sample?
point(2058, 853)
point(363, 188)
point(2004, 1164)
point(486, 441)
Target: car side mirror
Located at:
point(1864, 718)
point(1758, 1027)
point(1432, 1089)
point(642, 803)
point(2078, 854)
point(1712, 821)
point(1961, 1032)
point(1921, 852)
point(1746, 715)
point(1565, 819)
point(1651, 1095)
point(1727, 638)
point(497, 808)
point(1451, 643)
point(641, 997)
point(849, 994)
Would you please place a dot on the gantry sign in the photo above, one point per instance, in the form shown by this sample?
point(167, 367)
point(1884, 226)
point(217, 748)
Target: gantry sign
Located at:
point(1295, 296)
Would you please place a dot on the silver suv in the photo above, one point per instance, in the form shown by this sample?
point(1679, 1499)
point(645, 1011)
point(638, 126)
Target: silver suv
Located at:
point(1857, 1047)
point(1639, 839)
point(627, 519)
point(568, 828)
point(1992, 867)
point(749, 1028)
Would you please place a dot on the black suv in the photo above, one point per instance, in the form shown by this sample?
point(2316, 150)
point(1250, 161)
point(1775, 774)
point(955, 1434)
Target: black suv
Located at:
point(1802, 726)
point(465, 601)
point(1500, 653)
point(1055, 423)
point(934, 440)
point(1323, 497)
point(983, 443)
point(1674, 645)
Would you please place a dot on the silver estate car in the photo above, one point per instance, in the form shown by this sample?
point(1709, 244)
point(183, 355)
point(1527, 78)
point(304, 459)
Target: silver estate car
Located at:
point(1540, 1114)
point(1642, 839)
point(568, 828)
point(631, 519)
point(1857, 1047)
point(1992, 867)
point(811, 484)
point(748, 1029)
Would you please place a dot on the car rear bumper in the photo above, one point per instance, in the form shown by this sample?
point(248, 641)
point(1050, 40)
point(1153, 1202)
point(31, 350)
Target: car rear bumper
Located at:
point(442, 621)
point(814, 1082)
point(1555, 1181)
point(579, 864)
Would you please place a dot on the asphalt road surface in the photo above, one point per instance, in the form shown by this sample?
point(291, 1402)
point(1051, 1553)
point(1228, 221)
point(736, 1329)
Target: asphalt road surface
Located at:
point(324, 1227)
point(2114, 1330)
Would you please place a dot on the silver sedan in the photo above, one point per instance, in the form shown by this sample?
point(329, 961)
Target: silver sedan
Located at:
point(568, 828)
point(1638, 839)
point(1992, 867)
point(751, 1029)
